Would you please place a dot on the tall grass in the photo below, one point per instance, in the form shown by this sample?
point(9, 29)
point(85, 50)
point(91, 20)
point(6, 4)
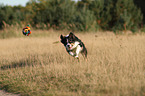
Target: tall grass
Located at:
point(35, 66)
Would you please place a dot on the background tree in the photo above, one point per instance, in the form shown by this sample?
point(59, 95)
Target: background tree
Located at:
point(128, 16)
point(102, 12)
point(83, 15)
point(141, 5)
point(6, 15)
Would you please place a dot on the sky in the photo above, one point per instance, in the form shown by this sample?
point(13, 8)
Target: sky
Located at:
point(15, 2)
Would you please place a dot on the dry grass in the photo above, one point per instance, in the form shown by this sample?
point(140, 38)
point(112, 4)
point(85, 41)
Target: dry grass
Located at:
point(37, 67)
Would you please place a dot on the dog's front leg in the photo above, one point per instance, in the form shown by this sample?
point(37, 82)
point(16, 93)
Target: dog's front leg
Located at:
point(78, 51)
point(71, 53)
point(74, 55)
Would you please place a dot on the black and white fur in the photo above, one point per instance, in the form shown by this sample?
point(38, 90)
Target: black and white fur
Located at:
point(73, 45)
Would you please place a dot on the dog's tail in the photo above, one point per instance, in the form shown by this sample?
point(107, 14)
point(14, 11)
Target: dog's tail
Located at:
point(85, 53)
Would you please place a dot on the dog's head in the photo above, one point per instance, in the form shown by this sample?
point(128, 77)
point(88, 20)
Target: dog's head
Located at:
point(68, 41)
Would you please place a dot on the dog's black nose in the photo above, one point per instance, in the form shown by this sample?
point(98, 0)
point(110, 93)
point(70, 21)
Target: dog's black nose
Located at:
point(68, 46)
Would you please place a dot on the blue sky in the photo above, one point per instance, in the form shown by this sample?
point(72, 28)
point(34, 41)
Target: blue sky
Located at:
point(15, 2)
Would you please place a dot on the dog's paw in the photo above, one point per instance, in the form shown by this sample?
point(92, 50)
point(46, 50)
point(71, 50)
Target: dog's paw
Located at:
point(76, 57)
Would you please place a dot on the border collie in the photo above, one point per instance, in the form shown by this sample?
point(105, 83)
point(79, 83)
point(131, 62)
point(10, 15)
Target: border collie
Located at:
point(73, 45)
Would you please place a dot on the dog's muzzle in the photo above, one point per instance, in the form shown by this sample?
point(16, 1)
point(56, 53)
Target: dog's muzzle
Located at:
point(69, 46)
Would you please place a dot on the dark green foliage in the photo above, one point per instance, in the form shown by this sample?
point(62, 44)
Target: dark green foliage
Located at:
point(55, 12)
point(128, 16)
point(83, 15)
point(141, 4)
point(83, 20)
point(6, 15)
point(102, 12)
point(11, 15)
point(62, 14)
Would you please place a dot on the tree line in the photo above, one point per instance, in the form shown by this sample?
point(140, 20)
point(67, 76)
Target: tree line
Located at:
point(84, 15)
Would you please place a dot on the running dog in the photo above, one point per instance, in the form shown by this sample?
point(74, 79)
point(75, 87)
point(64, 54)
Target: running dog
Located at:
point(73, 45)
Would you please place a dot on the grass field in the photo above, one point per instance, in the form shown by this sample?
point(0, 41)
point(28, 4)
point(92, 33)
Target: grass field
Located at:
point(37, 66)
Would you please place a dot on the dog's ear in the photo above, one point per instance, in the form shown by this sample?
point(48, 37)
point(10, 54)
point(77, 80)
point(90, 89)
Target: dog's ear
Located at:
point(71, 35)
point(61, 37)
